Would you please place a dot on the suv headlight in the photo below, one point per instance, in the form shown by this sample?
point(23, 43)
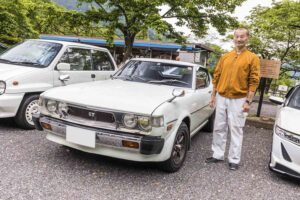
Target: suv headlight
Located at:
point(2, 87)
point(51, 106)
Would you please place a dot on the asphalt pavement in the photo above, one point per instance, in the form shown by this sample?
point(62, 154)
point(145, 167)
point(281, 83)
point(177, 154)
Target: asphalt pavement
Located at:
point(31, 167)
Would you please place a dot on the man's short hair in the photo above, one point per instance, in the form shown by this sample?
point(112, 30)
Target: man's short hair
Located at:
point(243, 28)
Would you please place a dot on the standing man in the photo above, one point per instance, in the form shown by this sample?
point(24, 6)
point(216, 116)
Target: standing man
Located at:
point(236, 78)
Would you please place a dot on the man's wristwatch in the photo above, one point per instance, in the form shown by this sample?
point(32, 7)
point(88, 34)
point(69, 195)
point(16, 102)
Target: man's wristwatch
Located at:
point(248, 102)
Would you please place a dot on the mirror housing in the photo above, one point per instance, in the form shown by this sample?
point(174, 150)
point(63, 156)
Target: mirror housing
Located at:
point(276, 100)
point(63, 67)
point(177, 92)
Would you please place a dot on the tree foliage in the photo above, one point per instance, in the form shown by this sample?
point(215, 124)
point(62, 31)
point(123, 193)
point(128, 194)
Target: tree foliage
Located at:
point(21, 19)
point(274, 31)
point(132, 17)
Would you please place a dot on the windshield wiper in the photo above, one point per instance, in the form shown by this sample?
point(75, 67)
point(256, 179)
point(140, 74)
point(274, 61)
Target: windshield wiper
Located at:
point(127, 78)
point(168, 81)
point(5, 60)
point(29, 63)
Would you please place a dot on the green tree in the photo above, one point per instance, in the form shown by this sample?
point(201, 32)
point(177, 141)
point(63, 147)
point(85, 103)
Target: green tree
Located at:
point(131, 17)
point(274, 31)
point(14, 24)
point(22, 19)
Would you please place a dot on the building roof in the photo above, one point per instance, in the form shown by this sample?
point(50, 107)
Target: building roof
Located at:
point(137, 43)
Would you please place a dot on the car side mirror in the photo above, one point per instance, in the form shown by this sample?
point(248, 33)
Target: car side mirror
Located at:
point(276, 100)
point(63, 67)
point(177, 92)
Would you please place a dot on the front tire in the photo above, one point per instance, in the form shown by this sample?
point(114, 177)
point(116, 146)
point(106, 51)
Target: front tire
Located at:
point(28, 107)
point(179, 150)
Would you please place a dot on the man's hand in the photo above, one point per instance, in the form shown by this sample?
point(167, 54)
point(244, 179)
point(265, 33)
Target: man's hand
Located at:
point(212, 102)
point(246, 107)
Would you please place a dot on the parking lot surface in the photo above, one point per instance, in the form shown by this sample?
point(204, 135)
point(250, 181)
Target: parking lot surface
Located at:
point(35, 168)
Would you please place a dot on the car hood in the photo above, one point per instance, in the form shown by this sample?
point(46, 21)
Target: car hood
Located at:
point(288, 119)
point(118, 95)
point(8, 71)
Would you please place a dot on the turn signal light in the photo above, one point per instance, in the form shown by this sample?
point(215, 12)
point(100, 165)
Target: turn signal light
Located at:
point(130, 144)
point(46, 126)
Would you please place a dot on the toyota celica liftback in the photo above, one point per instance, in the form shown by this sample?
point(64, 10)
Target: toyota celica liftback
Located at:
point(147, 112)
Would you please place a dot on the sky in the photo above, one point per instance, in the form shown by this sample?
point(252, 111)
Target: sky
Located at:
point(213, 37)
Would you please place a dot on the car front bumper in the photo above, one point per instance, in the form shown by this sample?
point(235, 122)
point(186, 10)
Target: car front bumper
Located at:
point(285, 157)
point(108, 142)
point(9, 104)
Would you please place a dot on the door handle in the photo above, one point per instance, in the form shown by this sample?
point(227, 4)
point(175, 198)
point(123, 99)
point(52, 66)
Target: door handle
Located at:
point(209, 92)
point(93, 75)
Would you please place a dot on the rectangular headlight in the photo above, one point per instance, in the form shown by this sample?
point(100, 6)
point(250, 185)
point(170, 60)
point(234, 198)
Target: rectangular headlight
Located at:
point(2, 87)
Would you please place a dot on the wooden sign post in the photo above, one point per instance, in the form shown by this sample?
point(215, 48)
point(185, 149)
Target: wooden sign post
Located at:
point(268, 69)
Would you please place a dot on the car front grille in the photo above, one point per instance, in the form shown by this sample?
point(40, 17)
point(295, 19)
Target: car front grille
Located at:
point(92, 115)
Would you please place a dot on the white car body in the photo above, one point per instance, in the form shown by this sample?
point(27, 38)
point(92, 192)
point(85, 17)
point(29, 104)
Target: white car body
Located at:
point(24, 81)
point(122, 96)
point(285, 153)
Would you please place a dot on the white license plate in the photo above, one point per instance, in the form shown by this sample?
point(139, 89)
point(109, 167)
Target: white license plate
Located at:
point(81, 136)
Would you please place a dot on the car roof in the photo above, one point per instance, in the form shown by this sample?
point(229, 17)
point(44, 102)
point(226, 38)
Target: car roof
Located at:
point(71, 44)
point(168, 61)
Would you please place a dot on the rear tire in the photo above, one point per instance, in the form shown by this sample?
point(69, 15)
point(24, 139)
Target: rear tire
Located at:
point(209, 127)
point(179, 150)
point(28, 106)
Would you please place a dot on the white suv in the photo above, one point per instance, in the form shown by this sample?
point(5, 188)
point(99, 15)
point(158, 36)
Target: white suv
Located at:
point(34, 66)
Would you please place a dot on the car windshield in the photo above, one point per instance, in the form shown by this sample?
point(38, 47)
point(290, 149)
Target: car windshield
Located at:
point(295, 99)
point(157, 73)
point(31, 53)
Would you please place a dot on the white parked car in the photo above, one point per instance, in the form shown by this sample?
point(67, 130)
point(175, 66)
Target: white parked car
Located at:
point(285, 155)
point(34, 66)
point(147, 112)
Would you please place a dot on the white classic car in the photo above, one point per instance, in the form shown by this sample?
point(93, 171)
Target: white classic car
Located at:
point(148, 112)
point(285, 155)
point(34, 66)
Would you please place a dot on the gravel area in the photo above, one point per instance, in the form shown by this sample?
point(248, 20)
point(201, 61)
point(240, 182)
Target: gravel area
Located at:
point(34, 168)
point(267, 110)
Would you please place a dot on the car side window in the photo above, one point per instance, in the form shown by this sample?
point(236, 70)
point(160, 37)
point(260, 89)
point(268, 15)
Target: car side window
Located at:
point(79, 59)
point(202, 78)
point(102, 61)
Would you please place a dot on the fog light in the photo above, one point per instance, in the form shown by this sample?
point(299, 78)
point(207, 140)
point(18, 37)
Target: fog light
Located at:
point(46, 126)
point(130, 144)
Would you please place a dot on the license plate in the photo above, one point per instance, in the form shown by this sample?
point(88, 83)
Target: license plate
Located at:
point(81, 136)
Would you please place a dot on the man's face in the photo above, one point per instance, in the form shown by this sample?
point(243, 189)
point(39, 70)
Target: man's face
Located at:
point(240, 38)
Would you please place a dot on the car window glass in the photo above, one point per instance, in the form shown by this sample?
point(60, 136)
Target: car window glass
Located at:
point(294, 101)
point(79, 59)
point(202, 78)
point(158, 73)
point(32, 52)
point(102, 61)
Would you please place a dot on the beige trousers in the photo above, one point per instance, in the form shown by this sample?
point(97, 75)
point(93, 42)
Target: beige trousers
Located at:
point(229, 116)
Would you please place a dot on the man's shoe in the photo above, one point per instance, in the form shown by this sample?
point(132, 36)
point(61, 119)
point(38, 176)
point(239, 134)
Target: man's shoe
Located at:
point(233, 166)
point(212, 160)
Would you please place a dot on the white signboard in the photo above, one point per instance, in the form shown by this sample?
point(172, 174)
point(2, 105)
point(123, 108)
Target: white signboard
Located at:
point(283, 88)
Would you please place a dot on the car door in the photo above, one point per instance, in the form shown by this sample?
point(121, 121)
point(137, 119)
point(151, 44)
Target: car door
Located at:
point(103, 64)
point(80, 61)
point(203, 89)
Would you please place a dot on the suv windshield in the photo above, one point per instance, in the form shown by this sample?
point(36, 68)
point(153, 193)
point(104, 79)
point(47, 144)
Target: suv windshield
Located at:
point(157, 73)
point(32, 53)
point(295, 99)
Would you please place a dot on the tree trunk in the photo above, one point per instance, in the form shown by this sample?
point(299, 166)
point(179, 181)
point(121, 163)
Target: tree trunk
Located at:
point(128, 47)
